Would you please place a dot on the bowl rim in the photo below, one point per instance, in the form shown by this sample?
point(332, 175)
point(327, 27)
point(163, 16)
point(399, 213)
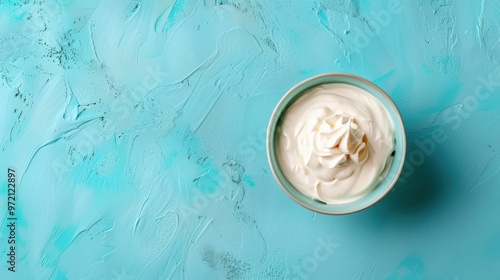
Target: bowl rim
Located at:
point(284, 102)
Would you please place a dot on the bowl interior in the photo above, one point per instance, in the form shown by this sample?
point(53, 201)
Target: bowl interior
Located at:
point(393, 172)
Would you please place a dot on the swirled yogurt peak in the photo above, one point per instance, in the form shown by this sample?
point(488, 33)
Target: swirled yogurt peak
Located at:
point(335, 142)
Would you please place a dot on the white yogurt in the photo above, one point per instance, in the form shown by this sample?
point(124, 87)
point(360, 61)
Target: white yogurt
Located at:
point(335, 142)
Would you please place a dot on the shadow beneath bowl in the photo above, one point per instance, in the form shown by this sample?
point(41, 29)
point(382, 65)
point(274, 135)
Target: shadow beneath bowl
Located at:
point(415, 194)
point(421, 191)
point(411, 203)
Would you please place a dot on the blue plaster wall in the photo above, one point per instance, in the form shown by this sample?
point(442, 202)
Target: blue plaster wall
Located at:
point(137, 132)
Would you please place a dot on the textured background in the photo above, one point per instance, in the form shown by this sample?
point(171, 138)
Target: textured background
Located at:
point(137, 132)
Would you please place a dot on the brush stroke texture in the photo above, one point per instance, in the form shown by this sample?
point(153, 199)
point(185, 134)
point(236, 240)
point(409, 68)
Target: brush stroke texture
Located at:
point(137, 129)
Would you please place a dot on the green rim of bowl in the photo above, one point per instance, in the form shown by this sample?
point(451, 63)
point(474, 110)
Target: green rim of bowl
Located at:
point(396, 166)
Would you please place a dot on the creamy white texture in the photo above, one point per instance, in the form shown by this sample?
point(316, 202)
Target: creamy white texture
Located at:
point(335, 142)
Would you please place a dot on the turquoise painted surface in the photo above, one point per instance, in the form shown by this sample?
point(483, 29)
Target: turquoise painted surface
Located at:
point(136, 130)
